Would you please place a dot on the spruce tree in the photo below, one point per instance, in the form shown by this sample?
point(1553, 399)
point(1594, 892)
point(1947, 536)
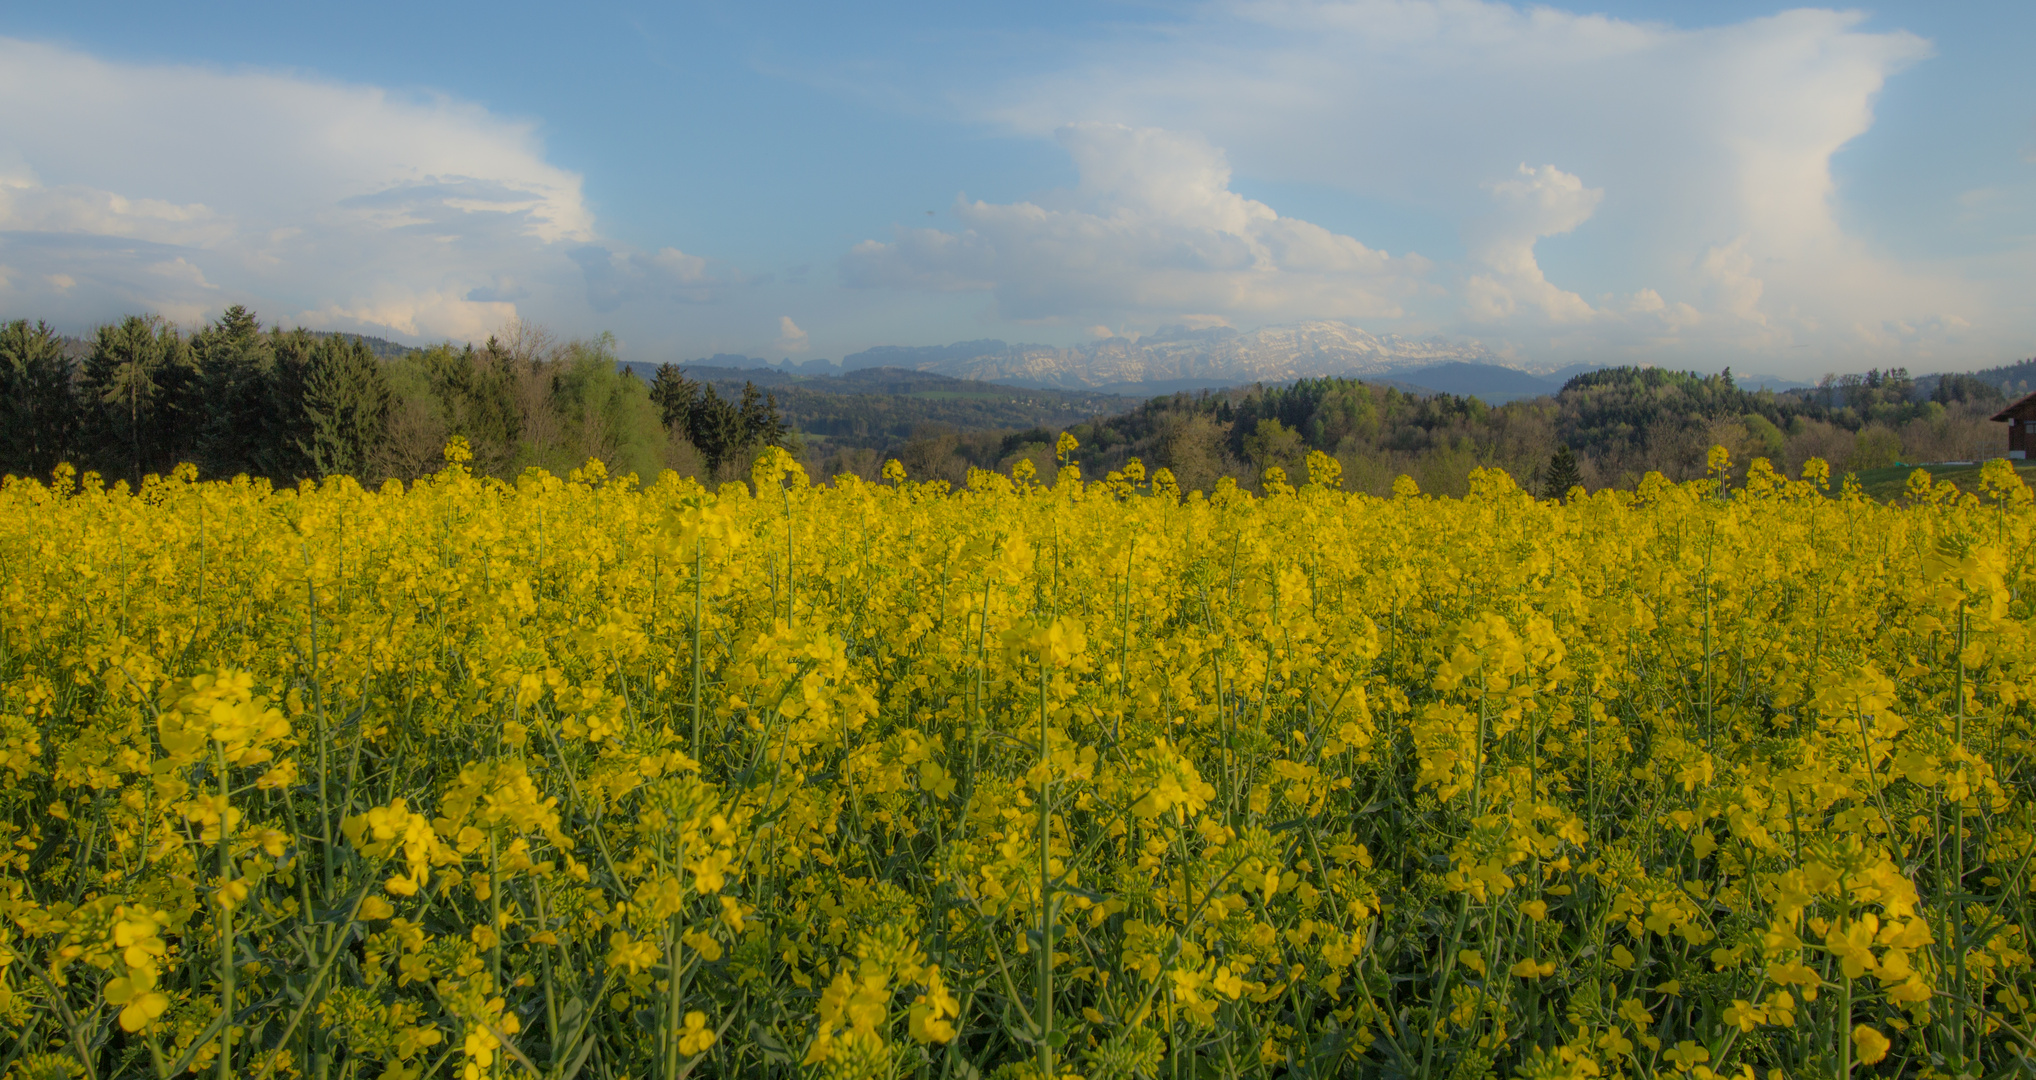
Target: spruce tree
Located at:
point(245, 419)
point(761, 425)
point(346, 403)
point(140, 390)
point(38, 401)
point(674, 395)
point(1562, 474)
point(291, 351)
point(715, 427)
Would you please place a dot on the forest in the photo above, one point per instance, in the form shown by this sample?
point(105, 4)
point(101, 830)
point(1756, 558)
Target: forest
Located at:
point(141, 395)
point(1616, 424)
point(867, 413)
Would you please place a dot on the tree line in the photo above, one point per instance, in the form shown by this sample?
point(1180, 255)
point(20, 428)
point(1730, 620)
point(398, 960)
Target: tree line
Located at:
point(1603, 428)
point(140, 396)
point(879, 409)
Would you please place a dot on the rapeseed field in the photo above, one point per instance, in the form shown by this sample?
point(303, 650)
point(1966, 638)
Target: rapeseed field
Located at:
point(588, 776)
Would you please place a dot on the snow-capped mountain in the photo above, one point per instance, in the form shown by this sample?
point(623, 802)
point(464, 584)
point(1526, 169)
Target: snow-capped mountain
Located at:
point(1180, 358)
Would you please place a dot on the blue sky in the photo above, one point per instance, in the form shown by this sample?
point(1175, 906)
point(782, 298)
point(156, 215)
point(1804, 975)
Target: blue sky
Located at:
point(1779, 189)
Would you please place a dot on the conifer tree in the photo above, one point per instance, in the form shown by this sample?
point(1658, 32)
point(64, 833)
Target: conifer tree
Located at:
point(292, 351)
point(140, 390)
point(761, 425)
point(346, 402)
point(1562, 474)
point(674, 394)
point(719, 429)
point(245, 416)
point(38, 403)
point(715, 427)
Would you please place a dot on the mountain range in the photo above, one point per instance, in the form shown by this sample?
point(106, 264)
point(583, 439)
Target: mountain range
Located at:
point(1182, 359)
point(881, 407)
point(1179, 358)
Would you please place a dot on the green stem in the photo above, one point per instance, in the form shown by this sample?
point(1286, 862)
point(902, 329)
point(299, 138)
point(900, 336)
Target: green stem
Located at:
point(224, 918)
point(699, 561)
point(1957, 890)
point(1045, 887)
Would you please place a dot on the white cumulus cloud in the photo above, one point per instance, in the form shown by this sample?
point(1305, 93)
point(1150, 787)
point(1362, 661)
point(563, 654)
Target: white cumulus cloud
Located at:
point(1151, 230)
point(180, 189)
point(1694, 166)
point(790, 337)
point(1537, 203)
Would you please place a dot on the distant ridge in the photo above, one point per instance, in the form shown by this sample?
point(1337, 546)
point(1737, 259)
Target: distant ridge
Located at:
point(77, 348)
point(1178, 358)
point(882, 407)
point(1489, 382)
point(382, 348)
point(2014, 379)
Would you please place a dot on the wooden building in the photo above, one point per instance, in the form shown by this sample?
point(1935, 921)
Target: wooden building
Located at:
point(2021, 420)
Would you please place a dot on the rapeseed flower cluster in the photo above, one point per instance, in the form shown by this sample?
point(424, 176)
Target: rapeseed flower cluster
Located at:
point(596, 776)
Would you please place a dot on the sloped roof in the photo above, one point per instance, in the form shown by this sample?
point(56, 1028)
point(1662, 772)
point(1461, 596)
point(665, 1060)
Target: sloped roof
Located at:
point(2024, 409)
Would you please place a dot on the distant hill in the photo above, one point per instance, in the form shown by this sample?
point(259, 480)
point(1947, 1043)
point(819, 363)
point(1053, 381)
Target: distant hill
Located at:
point(932, 357)
point(1564, 374)
point(77, 348)
point(1178, 358)
point(1490, 383)
point(879, 407)
point(1770, 382)
point(383, 348)
point(2015, 380)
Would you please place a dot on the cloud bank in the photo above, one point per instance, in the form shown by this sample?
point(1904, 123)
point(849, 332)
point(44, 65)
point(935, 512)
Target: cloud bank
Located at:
point(182, 189)
point(1151, 231)
point(1689, 172)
